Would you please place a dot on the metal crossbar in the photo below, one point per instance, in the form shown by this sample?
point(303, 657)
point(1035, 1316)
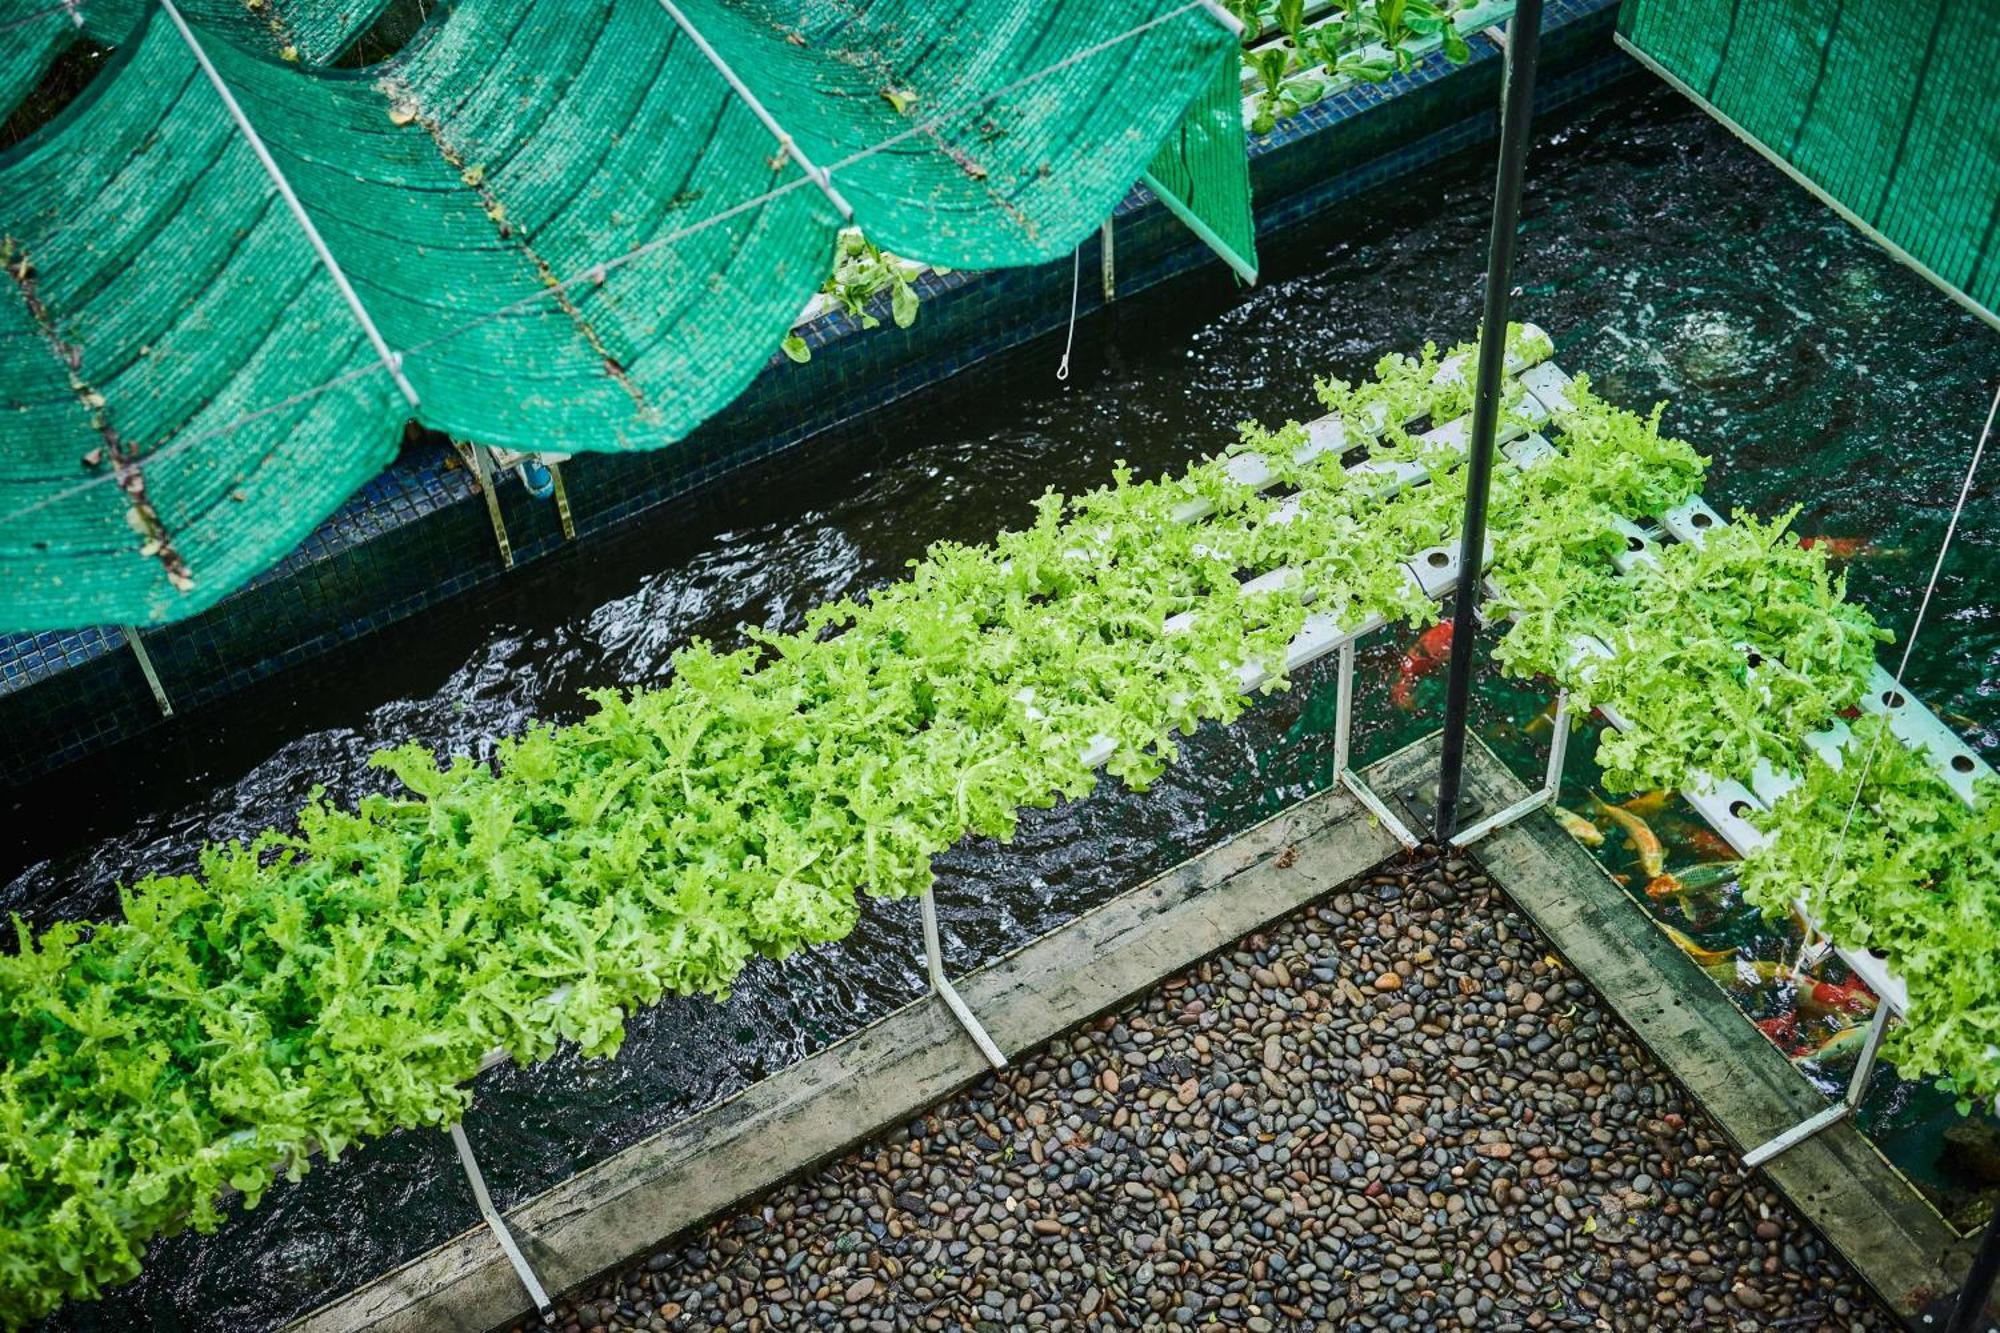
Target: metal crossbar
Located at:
point(941, 985)
point(498, 1224)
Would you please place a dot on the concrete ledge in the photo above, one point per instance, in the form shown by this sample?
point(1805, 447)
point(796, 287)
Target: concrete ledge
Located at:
point(1837, 1180)
point(880, 1076)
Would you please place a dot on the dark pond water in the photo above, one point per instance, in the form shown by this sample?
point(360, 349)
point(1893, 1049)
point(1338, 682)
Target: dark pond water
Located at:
point(1668, 260)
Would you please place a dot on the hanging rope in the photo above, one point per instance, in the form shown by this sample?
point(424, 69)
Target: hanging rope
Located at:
point(1075, 280)
point(1910, 644)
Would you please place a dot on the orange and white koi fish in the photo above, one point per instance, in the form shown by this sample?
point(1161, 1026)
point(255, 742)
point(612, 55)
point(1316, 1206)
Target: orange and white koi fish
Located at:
point(1431, 651)
point(1849, 548)
point(1826, 997)
point(1639, 834)
point(1578, 827)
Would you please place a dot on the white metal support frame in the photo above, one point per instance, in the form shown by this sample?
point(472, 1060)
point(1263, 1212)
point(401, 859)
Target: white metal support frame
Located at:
point(1108, 261)
point(934, 963)
point(498, 1224)
point(138, 647)
point(818, 175)
point(1857, 1088)
point(1343, 732)
point(1545, 795)
point(391, 359)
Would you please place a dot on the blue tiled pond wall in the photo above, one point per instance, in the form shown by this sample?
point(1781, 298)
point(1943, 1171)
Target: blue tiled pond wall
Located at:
point(418, 536)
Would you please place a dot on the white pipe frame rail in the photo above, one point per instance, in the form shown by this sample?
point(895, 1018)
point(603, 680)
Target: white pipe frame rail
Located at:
point(1724, 803)
point(1322, 633)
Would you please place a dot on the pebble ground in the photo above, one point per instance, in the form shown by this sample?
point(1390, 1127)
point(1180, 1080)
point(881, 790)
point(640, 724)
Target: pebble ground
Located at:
point(1394, 1110)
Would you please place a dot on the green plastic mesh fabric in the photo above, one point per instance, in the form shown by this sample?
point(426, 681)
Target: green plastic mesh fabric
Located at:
point(571, 231)
point(1887, 111)
point(34, 32)
point(1202, 174)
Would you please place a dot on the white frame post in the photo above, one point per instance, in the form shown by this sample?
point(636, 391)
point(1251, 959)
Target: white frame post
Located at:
point(1850, 1102)
point(1342, 749)
point(942, 987)
point(1545, 795)
point(138, 647)
point(498, 1225)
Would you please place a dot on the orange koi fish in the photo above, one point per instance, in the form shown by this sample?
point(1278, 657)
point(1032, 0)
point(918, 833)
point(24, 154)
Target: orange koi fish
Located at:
point(1431, 651)
point(1639, 834)
point(1825, 997)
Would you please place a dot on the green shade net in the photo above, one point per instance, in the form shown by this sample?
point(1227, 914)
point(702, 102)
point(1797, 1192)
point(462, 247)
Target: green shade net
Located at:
point(34, 33)
point(1202, 173)
point(571, 230)
point(1888, 112)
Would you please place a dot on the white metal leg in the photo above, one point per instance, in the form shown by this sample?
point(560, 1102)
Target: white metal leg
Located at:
point(1857, 1089)
point(934, 961)
point(1342, 748)
point(1550, 789)
point(499, 1223)
point(138, 647)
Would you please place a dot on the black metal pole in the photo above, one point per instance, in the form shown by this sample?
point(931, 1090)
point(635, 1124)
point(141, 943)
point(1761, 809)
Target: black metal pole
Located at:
point(1524, 37)
point(1965, 1316)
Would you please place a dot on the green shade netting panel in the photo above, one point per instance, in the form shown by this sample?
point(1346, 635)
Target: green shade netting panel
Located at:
point(1886, 111)
point(1202, 173)
point(572, 231)
point(33, 33)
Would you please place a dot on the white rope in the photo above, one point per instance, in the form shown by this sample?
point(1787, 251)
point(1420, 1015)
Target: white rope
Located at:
point(770, 122)
point(595, 273)
point(1075, 281)
point(1910, 644)
point(392, 360)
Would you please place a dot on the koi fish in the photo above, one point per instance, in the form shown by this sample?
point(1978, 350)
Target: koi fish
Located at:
point(1782, 1029)
point(1848, 1040)
point(1703, 876)
point(1664, 886)
point(1708, 846)
point(1706, 959)
point(1647, 804)
point(1825, 997)
point(1541, 722)
point(1431, 651)
point(1652, 857)
point(1847, 548)
point(1578, 827)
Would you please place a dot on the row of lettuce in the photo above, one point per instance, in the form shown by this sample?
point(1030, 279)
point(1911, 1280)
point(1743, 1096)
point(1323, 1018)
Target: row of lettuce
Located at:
point(344, 978)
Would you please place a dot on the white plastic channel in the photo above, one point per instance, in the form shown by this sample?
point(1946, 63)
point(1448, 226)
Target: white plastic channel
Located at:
point(1723, 803)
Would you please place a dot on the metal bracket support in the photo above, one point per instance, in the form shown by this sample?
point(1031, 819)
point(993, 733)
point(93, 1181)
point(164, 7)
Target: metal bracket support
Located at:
point(1857, 1089)
point(1343, 733)
point(483, 469)
point(562, 499)
point(138, 647)
point(1544, 795)
point(499, 1225)
point(1108, 261)
point(934, 963)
